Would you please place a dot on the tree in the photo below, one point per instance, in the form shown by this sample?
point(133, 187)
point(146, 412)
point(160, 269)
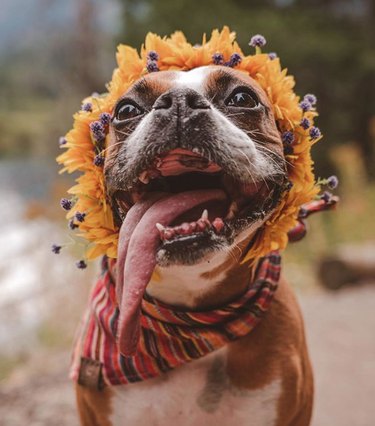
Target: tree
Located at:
point(327, 45)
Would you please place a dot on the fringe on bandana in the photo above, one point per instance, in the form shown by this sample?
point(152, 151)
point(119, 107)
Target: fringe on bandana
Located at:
point(169, 337)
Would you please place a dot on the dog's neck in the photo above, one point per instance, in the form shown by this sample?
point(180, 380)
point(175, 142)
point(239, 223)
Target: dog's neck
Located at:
point(214, 282)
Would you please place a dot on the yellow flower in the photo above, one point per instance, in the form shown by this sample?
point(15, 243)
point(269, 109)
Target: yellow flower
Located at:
point(175, 53)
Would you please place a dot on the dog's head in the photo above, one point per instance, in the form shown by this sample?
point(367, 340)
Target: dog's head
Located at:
point(209, 131)
point(193, 163)
point(195, 160)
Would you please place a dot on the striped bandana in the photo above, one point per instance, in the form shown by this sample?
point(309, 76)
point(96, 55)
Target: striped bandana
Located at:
point(169, 337)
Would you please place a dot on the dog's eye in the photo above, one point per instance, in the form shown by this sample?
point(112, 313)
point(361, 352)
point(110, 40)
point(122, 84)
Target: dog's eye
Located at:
point(242, 100)
point(126, 111)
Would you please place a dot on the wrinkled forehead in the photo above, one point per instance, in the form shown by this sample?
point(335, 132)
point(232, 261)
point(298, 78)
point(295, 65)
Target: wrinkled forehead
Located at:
point(205, 80)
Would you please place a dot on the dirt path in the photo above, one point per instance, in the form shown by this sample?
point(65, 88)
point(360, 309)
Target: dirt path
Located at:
point(341, 334)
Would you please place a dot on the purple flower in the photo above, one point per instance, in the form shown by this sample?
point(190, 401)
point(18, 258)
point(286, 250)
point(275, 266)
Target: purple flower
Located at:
point(97, 130)
point(152, 66)
point(62, 141)
point(314, 133)
point(288, 150)
point(305, 123)
point(66, 204)
point(98, 160)
point(96, 127)
point(310, 98)
point(305, 105)
point(72, 225)
point(257, 41)
point(87, 106)
point(80, 216)
point(234, 60)
point(55, 248)
point(288, 137)
point(105, 118)
point(81, 264)
point(332, 182)
point(217, 58)
point(272, 55)
point(100, 137)
point(152, 56)
point(326, 196)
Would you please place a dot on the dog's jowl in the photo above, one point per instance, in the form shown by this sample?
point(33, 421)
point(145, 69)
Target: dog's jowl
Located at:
point(190, 325)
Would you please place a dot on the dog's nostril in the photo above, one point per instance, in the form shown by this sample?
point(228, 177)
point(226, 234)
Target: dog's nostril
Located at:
point(163, 102)
point(196, 101)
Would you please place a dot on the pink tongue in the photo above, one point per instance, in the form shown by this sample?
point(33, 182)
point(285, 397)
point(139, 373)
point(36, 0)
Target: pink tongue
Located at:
point(139, 240)
point(132, 219)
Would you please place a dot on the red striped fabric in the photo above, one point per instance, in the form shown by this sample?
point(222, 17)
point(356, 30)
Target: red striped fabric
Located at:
point(169, 337)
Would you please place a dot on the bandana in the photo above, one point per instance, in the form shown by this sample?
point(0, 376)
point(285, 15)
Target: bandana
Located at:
point(169, 337)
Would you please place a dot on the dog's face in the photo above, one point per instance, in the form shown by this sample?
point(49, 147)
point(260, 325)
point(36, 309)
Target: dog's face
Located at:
point(206, 131)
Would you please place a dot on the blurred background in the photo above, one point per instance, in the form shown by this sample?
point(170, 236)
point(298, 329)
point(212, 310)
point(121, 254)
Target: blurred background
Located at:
point(52, 54)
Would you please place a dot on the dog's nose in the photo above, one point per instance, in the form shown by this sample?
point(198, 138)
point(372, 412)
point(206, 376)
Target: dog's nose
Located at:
point(181, 98)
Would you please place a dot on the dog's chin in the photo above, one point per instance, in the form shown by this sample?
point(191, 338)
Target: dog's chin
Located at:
point(191, 249)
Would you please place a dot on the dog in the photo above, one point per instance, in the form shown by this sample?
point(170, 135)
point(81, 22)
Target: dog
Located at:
point(194, 169)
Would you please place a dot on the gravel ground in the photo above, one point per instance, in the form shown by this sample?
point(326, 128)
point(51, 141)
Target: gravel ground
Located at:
point(341, 334)
point(340, 329)
point(39, 393)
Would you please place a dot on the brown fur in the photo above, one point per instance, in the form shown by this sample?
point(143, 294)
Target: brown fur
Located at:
point(93, 406)
point(276, 348)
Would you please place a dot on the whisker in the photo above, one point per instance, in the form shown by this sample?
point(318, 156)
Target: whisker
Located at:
point(213, 97)
point(111, 146)
point(248, 170)
point(229, 252)
point(272, 159)
point(124, 133)
point(261, 147)
point(234, 114)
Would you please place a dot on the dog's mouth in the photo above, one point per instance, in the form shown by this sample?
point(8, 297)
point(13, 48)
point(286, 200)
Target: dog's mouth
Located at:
point(182, 171)
point(181, 207)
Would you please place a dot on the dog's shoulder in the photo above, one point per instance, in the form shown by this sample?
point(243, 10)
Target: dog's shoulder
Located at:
point(276, 350)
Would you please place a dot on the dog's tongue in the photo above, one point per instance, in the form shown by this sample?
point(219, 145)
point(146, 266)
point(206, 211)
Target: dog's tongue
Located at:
point(138, 242)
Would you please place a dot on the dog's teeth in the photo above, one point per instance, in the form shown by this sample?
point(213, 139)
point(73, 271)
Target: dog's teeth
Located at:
point(160, 227)
point(158, 162)
point(204, 215)
point(168, 234)
point(193, 226)
point(218, 224)
point(144, 178)
point(196, 150)
point(185, 228)
point(201, 225)
point(233, 208)
point(177, 230)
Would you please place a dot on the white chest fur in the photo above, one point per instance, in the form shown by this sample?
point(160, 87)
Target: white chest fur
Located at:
point(196, 394)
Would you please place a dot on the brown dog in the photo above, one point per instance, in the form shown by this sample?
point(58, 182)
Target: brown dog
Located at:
point(183, 143)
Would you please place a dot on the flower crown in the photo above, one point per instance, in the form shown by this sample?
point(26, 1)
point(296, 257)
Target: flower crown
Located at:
point(89, 212)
